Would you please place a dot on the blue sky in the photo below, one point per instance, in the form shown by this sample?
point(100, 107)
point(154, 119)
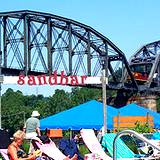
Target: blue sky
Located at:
point(129, 24)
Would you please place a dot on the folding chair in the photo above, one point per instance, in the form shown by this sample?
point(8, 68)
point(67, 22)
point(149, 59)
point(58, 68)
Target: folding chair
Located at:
point(93, 144)
point(4, 154)
point(51, 150)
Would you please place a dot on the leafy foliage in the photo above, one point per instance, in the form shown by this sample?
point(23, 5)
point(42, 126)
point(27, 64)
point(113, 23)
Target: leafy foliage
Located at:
point(16, 107)
point(142, 128)
point(139, 127)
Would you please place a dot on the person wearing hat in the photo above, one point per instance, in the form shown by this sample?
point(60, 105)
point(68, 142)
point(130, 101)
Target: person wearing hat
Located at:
point(32, 126)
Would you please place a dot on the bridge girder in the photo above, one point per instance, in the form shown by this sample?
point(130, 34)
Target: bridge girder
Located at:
point(40, 43)
point(148, 58)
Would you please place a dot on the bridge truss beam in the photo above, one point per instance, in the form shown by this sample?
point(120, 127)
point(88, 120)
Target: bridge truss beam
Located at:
point(147, 61)
point(40, 43)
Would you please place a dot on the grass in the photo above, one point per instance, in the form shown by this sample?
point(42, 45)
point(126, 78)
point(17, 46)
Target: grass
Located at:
point(83, 150)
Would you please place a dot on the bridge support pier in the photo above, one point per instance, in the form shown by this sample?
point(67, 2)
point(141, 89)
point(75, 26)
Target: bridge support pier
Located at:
point(148, 101)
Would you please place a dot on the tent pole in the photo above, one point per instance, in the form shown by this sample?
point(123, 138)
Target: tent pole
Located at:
point(70, 133)
point(1, 81)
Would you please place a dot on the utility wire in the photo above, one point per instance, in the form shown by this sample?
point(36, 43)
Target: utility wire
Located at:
point(12, 114)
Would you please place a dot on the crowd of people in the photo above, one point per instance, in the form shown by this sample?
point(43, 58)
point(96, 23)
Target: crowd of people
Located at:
point(30, 131)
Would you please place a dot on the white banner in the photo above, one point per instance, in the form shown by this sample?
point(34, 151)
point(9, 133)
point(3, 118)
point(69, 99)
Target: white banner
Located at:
point(51, 80)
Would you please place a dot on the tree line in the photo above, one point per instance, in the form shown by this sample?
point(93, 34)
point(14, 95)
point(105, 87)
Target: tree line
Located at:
point(16, 107)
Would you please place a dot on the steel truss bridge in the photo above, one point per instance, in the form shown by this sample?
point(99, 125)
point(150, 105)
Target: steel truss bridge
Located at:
point(145, 66)
point(35, 43)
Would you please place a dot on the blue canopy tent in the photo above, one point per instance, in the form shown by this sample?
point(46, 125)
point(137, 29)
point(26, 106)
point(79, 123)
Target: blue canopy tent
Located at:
point(87, 115)
point(136, 110)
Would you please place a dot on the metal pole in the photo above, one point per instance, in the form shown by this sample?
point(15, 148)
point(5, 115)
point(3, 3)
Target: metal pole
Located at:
point(24, 117)
point(0, 108)
point(1, 81)
point(0, 73)
point(104, 81)
point(104, 99)
point(1, 77)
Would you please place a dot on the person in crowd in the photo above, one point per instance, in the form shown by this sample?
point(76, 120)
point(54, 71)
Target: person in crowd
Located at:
point(76, 138)
point(16, 153)
point(32, 126)
point(14, 150)
point(100, 134)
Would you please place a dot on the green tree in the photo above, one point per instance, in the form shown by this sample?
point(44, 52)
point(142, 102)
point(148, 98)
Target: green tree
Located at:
point(60, 101)
point(12, 109)
point(81, 95)
point(15, 104)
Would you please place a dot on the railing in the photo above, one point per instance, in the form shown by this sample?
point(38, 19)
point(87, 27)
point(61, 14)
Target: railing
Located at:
point(139, 136)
